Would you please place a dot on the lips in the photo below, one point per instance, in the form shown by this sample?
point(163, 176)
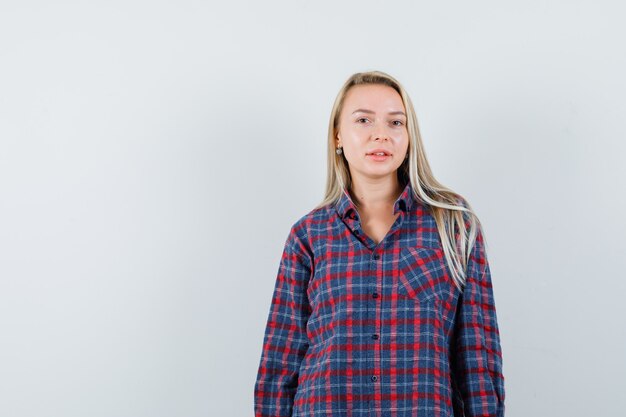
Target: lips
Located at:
point(376, 151)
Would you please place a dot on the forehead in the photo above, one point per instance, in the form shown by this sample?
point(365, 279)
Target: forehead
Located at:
point(379, 98)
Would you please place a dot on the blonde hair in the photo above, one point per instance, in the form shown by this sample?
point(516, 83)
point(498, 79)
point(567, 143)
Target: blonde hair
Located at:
point(457, 224)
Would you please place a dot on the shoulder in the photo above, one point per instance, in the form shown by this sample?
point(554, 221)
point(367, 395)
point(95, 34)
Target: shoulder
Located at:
point(306, 227)
point(307, 222)
point(469, 214)
point(474, 227)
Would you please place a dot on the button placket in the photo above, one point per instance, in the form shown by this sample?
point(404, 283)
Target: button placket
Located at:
point(376, 336)
point(375, 257)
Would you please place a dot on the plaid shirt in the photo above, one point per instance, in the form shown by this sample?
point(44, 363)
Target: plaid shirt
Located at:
point(357, 328)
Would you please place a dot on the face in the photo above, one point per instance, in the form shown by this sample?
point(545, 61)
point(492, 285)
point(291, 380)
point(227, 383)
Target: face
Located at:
point(373, 118)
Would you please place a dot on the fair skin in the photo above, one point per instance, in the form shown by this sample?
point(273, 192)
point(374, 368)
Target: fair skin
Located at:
point(373, 117)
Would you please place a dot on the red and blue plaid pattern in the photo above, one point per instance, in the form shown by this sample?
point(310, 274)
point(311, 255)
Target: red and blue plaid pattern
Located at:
point(362, 329)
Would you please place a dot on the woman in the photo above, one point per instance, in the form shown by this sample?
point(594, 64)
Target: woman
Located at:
point(383, 304)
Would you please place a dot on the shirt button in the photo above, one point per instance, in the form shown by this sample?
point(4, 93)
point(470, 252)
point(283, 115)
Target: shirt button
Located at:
point(375, 295)
point(374, 378)
point(374, 336)
point(376, 256)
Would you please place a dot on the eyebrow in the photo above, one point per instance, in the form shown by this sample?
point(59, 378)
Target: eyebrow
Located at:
point(373, 112)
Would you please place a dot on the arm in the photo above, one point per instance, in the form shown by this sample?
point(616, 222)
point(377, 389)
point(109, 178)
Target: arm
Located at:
point(285, 342)
point(476, 352)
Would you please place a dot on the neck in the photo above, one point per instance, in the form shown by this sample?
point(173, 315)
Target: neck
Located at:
point(369, 194)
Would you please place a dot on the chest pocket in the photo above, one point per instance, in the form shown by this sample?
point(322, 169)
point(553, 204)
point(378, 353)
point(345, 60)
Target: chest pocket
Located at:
point(423, 274)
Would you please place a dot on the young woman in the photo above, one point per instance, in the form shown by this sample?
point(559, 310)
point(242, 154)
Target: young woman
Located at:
point(383, 303)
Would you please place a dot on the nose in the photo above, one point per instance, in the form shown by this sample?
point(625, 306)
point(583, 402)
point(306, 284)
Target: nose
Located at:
point(380, 132)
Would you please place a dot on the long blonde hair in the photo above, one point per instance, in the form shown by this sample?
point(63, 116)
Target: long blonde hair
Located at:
point(457, 223)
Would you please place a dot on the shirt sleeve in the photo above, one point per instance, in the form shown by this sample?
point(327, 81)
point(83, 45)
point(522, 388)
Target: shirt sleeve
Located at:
point(285, 342)
point(476, 352)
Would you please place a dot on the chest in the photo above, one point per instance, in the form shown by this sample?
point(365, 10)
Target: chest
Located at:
point(377, 226)
point(354, 289)
point(405, 263)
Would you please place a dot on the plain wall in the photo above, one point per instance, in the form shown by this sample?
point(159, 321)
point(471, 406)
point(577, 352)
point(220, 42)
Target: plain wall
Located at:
point(153, 156)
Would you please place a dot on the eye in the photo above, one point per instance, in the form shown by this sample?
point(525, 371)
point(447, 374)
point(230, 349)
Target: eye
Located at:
point(361, 118)
point(398, 121)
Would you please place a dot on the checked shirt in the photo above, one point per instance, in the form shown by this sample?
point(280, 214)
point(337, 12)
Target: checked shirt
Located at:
point(361, 329)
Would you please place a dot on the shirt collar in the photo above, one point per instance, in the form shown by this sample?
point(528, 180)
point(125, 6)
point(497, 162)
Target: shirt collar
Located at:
point(345, 207)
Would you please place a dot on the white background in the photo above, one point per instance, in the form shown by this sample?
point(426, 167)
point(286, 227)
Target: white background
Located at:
point(153, 156)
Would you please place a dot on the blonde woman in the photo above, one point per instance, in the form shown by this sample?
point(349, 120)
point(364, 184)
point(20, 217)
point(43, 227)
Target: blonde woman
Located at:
point(383, 303)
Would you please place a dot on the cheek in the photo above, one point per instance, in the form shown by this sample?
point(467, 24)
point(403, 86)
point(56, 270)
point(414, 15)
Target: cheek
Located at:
point(404, 143)
point(352, 155)
point(354, 144)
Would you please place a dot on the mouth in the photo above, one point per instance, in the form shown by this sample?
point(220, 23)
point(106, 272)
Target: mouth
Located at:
point(378, 156)
point(378, 152)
